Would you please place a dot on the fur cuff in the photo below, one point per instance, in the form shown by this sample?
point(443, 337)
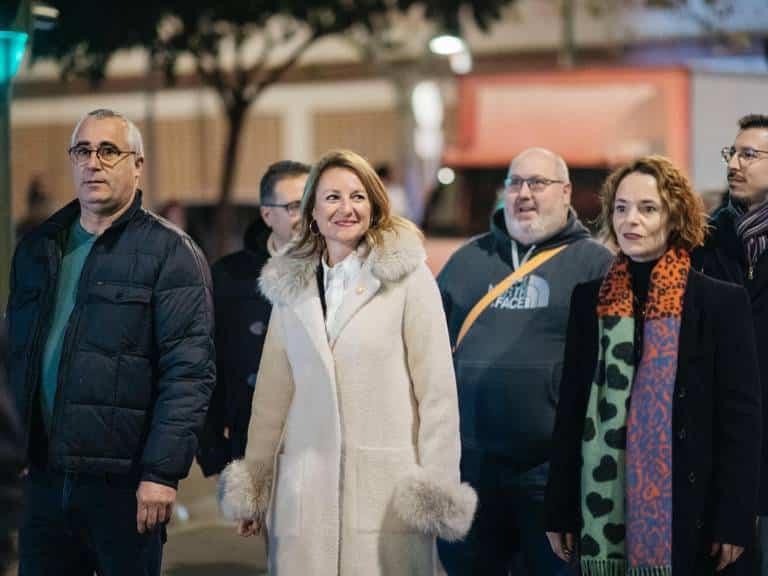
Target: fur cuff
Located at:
point(435, 506)
point(244, 490)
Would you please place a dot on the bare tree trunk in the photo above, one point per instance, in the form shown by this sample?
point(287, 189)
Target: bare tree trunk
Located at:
point(567, 57)
point(225, 220)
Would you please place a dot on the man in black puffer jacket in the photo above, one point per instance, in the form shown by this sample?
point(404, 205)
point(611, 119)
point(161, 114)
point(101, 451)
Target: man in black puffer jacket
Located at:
point(111, 359)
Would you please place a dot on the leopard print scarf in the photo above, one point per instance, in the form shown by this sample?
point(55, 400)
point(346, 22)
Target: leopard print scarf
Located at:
point(626, 477)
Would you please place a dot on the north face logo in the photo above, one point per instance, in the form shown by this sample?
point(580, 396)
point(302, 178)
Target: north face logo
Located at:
point(530, 292)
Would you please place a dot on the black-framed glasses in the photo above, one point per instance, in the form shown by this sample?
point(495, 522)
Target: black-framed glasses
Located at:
point(535, 183)
point(108, 154)
point(746, 154)
point(291, 207)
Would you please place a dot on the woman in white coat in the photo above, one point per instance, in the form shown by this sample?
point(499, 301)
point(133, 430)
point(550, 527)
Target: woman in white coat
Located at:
point(352, 461)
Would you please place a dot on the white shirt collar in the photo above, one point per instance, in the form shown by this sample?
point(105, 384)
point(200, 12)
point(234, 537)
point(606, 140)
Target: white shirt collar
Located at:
point(346, 270)
point(337, 281)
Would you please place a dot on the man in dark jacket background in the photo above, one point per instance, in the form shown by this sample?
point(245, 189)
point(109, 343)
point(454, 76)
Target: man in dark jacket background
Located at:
point(735, 251)
point(111, 360)
point(509, 365)
point(242, 314)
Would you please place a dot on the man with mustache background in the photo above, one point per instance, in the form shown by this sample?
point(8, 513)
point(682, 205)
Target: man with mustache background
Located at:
point(735, 251)
point(508, 366)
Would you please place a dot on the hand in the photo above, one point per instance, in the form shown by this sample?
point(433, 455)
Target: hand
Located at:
point(728, 554)
point(250, 527)
point(154, 505)
point(563, 545)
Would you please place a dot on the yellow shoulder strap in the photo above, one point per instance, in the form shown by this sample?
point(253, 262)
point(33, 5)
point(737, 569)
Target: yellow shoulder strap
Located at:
point(501, 287)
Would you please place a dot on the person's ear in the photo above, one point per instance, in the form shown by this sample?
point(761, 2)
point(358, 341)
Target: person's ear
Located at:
point(266, 215)
point(567, 189)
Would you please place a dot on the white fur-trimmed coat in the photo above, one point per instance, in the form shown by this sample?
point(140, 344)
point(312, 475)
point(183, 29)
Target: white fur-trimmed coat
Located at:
point(367, 418)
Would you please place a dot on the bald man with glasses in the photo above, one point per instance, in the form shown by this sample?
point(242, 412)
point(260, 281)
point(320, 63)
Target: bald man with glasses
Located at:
point(506, 296)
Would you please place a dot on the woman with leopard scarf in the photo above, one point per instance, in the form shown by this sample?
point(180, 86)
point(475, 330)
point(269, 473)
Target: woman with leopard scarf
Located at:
point(656, 450)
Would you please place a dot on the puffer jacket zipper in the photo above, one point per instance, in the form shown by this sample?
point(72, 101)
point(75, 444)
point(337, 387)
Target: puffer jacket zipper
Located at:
point(69, 333)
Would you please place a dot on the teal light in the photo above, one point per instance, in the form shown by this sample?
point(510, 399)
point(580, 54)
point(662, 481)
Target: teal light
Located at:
point(12, 46)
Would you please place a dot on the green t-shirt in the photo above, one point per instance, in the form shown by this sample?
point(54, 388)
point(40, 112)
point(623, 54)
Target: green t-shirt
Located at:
point(79, 244)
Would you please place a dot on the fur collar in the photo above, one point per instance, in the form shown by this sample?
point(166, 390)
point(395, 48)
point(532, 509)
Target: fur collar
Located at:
point(284, 277)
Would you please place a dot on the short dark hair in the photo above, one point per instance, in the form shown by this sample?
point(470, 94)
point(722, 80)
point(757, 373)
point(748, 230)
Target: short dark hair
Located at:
point(753, 121)
point(279, 171)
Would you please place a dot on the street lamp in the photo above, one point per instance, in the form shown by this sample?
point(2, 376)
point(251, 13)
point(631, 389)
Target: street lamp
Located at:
point(12, 45)
point(446, 44)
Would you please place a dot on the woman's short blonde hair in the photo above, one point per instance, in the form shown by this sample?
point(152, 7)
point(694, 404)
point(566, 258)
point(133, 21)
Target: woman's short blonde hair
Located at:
point(310, 242)
point(688, 221)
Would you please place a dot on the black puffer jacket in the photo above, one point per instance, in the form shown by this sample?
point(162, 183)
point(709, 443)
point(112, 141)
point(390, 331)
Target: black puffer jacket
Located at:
point(242, 317)
point(137, 365)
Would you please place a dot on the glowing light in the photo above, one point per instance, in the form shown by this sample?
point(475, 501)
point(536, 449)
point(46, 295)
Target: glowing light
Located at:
point(446, 176)
point(461, 62)
point(427, 104)
point(12, 46)
point(446, 44)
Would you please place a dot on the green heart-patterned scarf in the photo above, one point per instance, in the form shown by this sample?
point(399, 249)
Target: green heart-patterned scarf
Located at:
point(626, 476)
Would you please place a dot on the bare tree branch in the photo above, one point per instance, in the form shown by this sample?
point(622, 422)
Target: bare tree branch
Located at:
point(210, 72)
point(273, 74)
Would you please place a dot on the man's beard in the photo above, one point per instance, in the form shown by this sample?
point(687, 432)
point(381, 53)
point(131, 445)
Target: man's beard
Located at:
point(750, 203)
point(534, 231)
point(527, 232)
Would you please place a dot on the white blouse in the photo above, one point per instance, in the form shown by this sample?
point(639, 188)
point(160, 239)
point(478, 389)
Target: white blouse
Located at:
point(337, 281)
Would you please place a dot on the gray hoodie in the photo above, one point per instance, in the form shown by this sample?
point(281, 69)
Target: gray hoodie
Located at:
point(508, 367)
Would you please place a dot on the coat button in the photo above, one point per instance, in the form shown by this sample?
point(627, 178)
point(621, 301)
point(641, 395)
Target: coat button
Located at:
point(682, 392)
point(257, 328)
point(692, 478)
point(251, 380)
point(699, 523)
point(681, 434)
point(360, 290)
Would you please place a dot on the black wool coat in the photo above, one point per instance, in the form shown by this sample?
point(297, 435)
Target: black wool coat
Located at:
point(242, 317)
point(715, 419)
point(722, 257)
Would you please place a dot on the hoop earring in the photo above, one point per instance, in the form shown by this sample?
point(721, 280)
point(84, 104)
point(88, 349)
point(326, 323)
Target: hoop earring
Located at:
point(314, 228)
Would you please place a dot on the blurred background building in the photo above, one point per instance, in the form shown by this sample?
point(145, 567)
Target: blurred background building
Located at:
point(598, 81)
